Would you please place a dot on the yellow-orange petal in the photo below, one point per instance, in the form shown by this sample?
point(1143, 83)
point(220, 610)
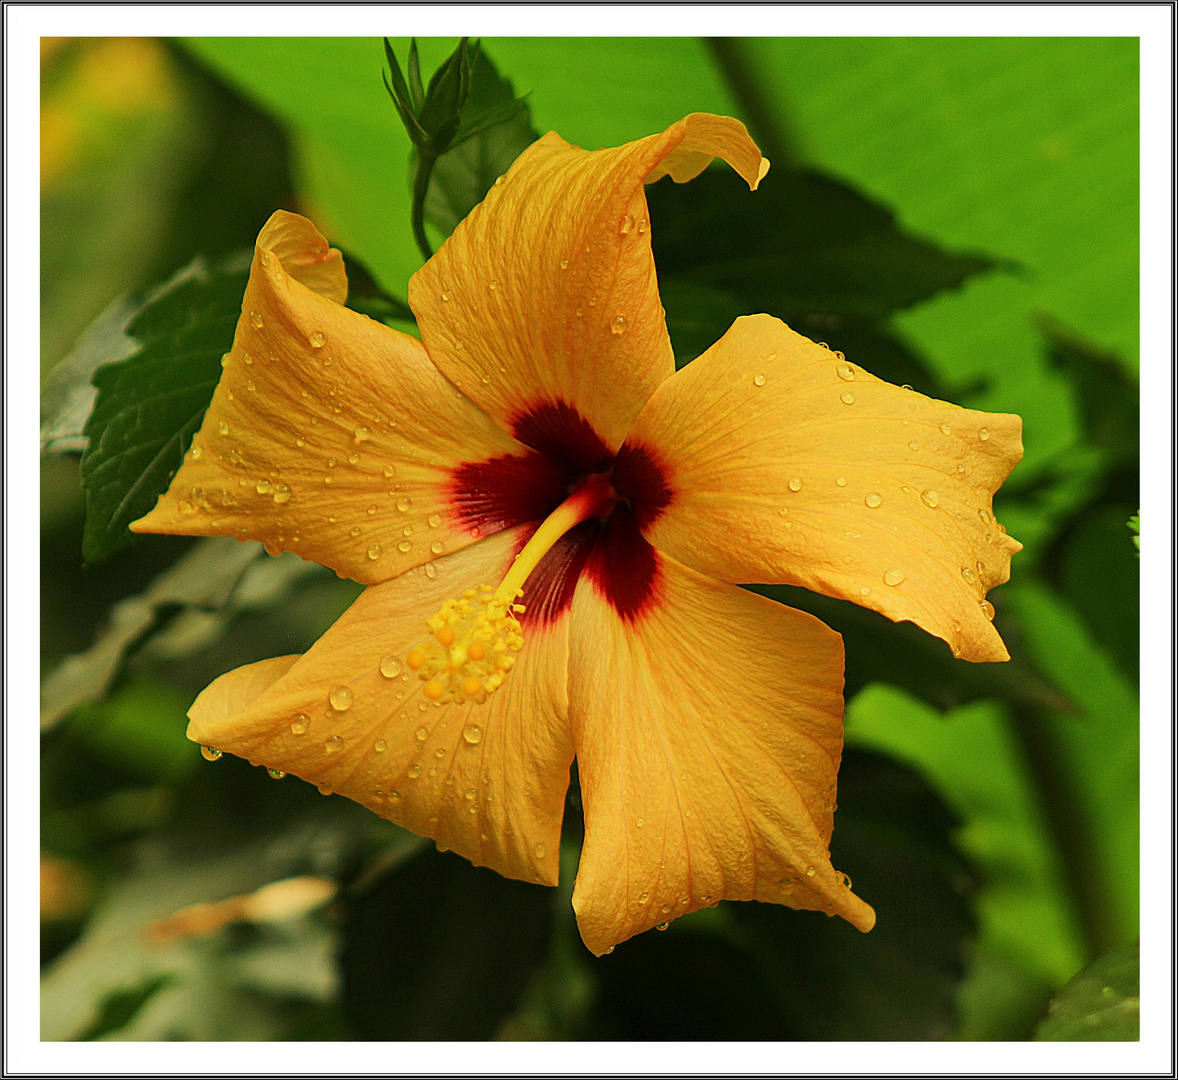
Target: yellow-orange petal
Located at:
point(329, 434)
point(546, 293)
point(708, 735)
point(485, 780)
point(789, 464)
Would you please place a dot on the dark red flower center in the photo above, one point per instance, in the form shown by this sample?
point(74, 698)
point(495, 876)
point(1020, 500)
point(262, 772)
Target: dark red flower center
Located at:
point(506, 491)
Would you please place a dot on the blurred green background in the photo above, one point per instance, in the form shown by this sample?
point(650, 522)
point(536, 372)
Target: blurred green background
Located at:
point(959, 214)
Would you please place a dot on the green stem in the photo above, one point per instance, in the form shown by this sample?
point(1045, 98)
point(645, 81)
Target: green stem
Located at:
point(1047, 757)
point(763, 114)
point(421, 175)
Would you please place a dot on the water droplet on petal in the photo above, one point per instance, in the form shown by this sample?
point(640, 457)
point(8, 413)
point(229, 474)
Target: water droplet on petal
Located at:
point(437, 547)
point(256, 320)
point(317, 339)
point(210, 753)
point(333, 744)
point(282, 493)
point(987, 609)
point(759, 379)
point(354, 531)
point(894, 577)
point(472, 733)
point(223, 428)
point(431, 571)
point(341, 698)
point(809, 871)
point(263, 486)
point(944, 429)
point(627, 224)
point(196, 452)
point(845, 372)
point(414, 772)
point(390, 666)
point(929, 497)
point(662, 926)
point(277, 774)
point(445, 296)
point(873, 499)
point(619, 324)
point(404, 547)
point(492, 284)
point(847, 398)
point(324, 789)
point(374, 552)
point(404, 503)
point(983, 433)
point(539, 851)
point(912, 445)
point(795, 483)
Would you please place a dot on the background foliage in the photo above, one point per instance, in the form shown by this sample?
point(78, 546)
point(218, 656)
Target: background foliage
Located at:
point(959, 215)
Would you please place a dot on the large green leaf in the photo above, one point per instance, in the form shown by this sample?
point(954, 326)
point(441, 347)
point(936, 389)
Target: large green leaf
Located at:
point(150, 404)
point(1101, 1004)
point(1029, 931)
point(1024, 147)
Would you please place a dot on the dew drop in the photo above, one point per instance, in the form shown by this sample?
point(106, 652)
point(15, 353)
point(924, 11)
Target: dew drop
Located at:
point(300, 724)
point(437, 547)
point(492, 284)
point(435, 520)
point(640, 822)
point(643, 897)
point(353, 459)
point(445, 296)
point(431, 571)
point(317, 339)
point(196, 452)
point(354, 531)
point(759, 379)
point(841, 481)
point(403, 503)
point(341, 698)
point(263, 486)
point(256, 320)
point(983, 433)
point(414, 772)
point(809, 871)
point(912, 445)
point(440, 752)
point(333, 744)
point(929, 497)
point(390, 666)
point(282, 493)
point(223, 428)
point(422, 734)
point(473, 734)
point(873, 499)
point(968, 574)
point(627, 224)
point(845, 372)
point(404, 546)
point(374, 552)
point(795, 483)
point(618, 325)
point(210, 753)
point(944, 429)
point(324, 789)
point(361, 434)
point(186, 507)
point(864, 591)
point(662, 926)
point(277, 774)
point(987, 608)
point(894, 577)
point(539, 851)
point(847, 398)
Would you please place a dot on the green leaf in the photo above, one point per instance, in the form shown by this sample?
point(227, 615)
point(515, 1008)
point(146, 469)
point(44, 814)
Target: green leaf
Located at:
point(1028, 928)
point(496, 129)
point(440, 949)
point(119, 1007)
point(1101, 1004)
point(803, 246)
point(150, 404)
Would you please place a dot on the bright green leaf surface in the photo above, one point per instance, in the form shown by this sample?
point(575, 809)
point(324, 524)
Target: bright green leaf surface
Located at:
point(354, 153)
point(973, 761)
point(1024, 147)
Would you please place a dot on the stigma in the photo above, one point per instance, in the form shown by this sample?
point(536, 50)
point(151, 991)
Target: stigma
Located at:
point(473, 639)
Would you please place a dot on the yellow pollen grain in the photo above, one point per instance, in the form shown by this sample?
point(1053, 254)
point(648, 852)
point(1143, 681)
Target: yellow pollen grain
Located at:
point(477, 651)
point(471, 687)
point(433, 690)
point(445, 637)
point(415, 660)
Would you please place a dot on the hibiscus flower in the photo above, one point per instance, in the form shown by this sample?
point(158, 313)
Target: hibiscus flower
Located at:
point(553, 523)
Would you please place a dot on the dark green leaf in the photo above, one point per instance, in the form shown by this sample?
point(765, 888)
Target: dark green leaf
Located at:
point(444, 98)
point(802, 247)
point(496, 129)
point(902, 654)
point(1101, 1004)
point(119, 1007)
point(441, 949)
point(416, 91)
point(893, 837)
point(150, 404)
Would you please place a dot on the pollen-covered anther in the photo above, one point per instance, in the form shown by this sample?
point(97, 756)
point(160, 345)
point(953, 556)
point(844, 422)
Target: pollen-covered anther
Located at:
point(469, 650)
